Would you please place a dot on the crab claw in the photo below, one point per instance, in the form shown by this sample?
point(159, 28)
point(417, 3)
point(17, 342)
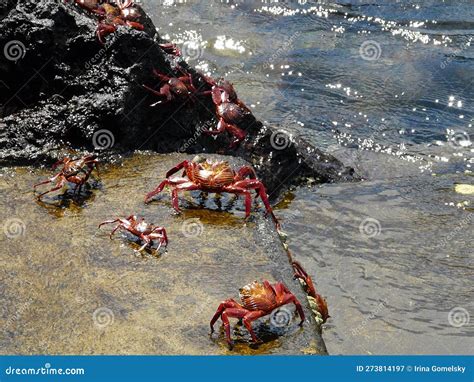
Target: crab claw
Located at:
point(170, 48)
point(321, 302)
point(122, 4)
point(103, 30)
point(135, 25)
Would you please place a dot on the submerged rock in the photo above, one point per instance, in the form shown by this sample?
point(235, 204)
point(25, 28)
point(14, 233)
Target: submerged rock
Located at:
point(61, 88)
point(68, 289)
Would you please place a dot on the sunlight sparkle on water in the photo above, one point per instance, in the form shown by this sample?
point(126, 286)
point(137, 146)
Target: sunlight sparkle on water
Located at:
point(223, 42)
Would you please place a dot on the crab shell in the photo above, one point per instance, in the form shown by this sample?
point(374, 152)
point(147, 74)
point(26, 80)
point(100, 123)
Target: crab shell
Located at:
point(258, 296)
point(231, 112)
point(211, 174)
point(178, 87)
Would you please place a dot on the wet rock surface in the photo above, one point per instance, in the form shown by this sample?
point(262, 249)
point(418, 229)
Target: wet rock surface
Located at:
point(66, 288)
point(61, 88)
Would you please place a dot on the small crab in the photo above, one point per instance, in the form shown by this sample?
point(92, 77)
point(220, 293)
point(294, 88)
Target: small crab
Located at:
point(73, 171)
point(321, 303)
point(258, 300)
point(174, 88)
point(214, 177)
point(230, 110)
point(144, 231)
point(111, 16)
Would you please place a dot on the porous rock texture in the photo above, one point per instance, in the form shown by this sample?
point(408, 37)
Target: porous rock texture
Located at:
point(60, 88)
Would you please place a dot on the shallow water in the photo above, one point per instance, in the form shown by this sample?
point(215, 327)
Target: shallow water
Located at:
point(386, 86)
point(66, 288)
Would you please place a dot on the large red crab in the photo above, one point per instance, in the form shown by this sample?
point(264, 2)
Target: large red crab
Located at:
point(216, 177)
point(111, 16)
point(73, 171)
point(258, 300)
point(148, 233)
point(230, 110)
point(321, 304)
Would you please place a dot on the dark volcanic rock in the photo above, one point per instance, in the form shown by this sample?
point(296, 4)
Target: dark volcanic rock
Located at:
point(59, 87)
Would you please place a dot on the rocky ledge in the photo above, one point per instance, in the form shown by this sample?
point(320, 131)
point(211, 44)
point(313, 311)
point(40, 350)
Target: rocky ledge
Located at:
point(61, 88)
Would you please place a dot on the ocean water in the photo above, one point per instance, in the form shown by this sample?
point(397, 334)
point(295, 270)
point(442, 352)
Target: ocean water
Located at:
point(386, 86)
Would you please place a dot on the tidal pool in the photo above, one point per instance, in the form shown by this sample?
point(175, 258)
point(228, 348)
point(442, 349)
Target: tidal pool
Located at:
point(66, 288)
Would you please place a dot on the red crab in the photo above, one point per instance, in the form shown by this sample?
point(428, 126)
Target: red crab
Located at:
point(111, 16)
point(258, 300)
point(229, 110)
point(73, 171)
point(214, 177)
point(123, 14)
point(171, 48)
point(321, 303)
point(146, 232)
point(175, 88)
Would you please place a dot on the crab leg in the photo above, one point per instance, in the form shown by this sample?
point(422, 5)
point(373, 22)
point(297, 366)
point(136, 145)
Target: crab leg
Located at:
point(280, 289)
point(147, 241)
point(298, 306)
point(258, 186)
point(122, 4)
point(46, 181)
point(229, 303)
point(186, 186)
point(103, 30)
point(164, 92)
point(112, 222)
point(241, 191)
point(162, 77)
point(162, 235)
point(176, 168)
point(222, 126)
point(157, 190)
point(171, 49)
point(115, 230)
point(301, 274)
point(159, 233)
point(135, 25)
point(252, 316)
point(59, 185)
point(224, 309)
point(60, 162)
point(167, 182)
point(246, 171)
